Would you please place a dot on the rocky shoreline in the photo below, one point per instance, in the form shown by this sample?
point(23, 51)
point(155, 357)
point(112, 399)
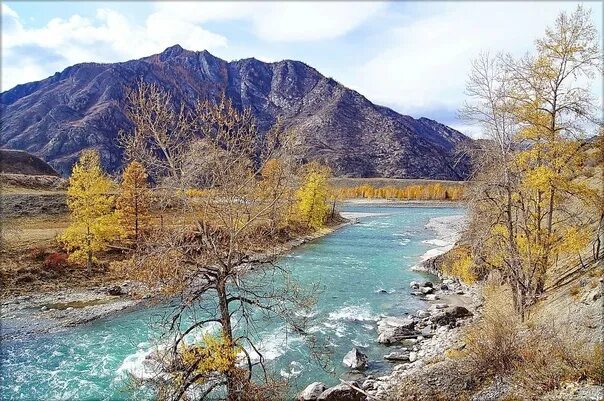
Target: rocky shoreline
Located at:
point(413, 340)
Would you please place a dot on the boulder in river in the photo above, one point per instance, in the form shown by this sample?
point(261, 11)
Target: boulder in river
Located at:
point(414, 285)
point(312, 391)
point(355, 359)
point(428, 284)
point(341, 392)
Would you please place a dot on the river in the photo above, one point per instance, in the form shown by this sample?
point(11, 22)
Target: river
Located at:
point(364, 270)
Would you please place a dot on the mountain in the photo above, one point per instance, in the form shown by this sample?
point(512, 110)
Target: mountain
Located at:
point(19, 162)
point(83, 107)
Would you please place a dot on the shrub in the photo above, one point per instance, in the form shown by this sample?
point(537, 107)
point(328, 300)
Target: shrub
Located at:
point(55, 261)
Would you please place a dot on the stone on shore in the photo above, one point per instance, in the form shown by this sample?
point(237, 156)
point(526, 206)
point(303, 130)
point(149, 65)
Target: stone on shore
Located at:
point(397, 356)
point(426, 290)
point(394, 329)
point(341, 392)
point(115, 290)
point(312, 392)
point(355, 359)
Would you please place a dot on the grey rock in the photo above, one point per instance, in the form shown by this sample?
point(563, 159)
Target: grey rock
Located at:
point(341, 392)
point(115, 290)
point(312, 391)
point(397, 356)
point(422, 313)
point(426, 290)
point(392, 329)
point(355, 359)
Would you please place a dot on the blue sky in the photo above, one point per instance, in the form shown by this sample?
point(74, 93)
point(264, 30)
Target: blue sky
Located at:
point(411, 56)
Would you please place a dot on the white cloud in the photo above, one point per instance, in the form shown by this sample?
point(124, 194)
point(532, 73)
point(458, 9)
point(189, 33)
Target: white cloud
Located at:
point(424, 65)
point(111, 37)
point(108, 37)
point(280, 21)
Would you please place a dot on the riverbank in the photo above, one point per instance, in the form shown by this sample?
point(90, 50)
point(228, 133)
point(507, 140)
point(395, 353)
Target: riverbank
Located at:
point(35, 312)
point(416, 339)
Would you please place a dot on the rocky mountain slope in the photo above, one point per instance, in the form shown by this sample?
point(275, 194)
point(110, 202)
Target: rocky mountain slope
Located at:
point(82, 107)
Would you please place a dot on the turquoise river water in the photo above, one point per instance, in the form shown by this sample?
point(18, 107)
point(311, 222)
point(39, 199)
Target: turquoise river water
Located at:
point(354, 266)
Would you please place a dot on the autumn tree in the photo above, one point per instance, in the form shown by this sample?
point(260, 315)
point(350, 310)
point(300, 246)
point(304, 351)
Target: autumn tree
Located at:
point(134, 201)
point(313, 195)
point(535, 111)
point(228, 184)
point(93, 223)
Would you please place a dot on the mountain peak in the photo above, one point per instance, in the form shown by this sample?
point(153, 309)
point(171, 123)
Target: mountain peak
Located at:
point(172, 52)
point(84, 107)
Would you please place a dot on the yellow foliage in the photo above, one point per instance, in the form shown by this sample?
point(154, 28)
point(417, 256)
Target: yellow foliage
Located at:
point(134, 202)
point(435, 191)
point(213, 354)
point(93, 223)
point(460, 265)
point(312, 196)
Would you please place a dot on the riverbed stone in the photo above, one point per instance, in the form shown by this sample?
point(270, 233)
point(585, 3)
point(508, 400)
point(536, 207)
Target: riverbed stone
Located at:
point(414, 285)
point(355, 359)
point(312, 391)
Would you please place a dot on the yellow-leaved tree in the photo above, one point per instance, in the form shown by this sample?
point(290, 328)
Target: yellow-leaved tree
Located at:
point(93, 222)
point(134, 201)
point(313, 195)
point(529, 197)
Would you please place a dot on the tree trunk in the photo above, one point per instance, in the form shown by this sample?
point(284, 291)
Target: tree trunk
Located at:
point(225, 320)
point(89, 252)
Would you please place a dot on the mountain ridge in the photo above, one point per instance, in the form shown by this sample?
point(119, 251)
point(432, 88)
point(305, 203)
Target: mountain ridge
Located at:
point(83, 106)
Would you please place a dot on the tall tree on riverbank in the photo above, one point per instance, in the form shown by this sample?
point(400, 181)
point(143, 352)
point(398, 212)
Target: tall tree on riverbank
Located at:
point(535, 110)
point(134, 201)
point(93, 222)
point(313, 195)
point(226, 185)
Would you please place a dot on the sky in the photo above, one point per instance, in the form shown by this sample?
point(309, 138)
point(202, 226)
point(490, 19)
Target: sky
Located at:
point(413, 57)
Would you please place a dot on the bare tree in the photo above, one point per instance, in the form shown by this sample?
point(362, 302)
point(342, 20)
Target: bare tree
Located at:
point(210, 161)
